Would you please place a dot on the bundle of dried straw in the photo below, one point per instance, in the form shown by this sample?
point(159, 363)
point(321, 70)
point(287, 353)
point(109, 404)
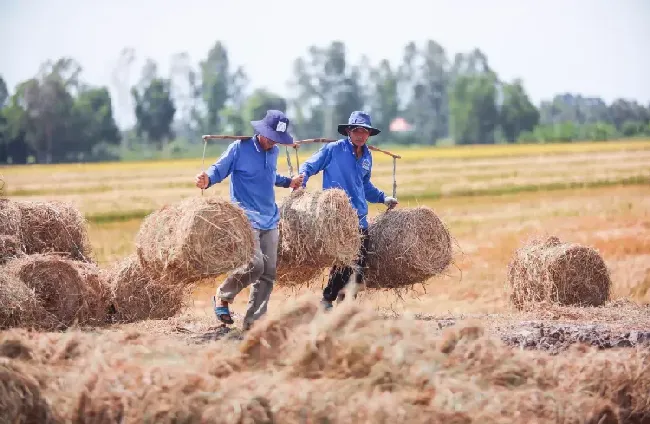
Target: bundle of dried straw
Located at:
point(563, 273)
point(19, 305)
point(10, 248)
point(193, 239)
point(136, 296)
point(54, 227)
point(69, 291)
point(318, 229)
point(407, 246)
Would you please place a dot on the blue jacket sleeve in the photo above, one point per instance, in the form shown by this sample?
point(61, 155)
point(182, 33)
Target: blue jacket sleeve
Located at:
point(281, 181)
point(373, 194)
point(223, 167)
point(316, 163)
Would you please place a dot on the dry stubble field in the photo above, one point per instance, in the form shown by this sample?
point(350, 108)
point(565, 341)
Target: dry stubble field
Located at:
point(493, 198)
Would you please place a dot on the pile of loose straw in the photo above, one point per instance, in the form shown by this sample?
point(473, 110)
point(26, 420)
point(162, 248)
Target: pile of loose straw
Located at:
point(407, 246)
point(558, 272)
point(318, 230)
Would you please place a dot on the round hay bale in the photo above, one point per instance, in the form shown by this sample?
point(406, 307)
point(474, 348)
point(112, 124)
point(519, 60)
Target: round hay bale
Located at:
point(563, 273)
point(10, 248)
point(407, 246)
point(9, 218)
point(21, 400)
point(195, 238)
point(135, 296)
point(69, 291)
point(20, 307)
point(54, 227)
point(318, 229)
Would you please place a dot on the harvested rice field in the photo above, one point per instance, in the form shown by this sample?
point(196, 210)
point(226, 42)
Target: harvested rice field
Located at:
point(543, 314)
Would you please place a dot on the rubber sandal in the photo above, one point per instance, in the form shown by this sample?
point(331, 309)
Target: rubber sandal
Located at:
point(222, 313)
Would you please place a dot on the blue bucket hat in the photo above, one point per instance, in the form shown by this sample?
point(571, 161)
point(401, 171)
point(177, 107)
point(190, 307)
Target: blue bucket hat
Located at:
point(274, 126)
point(358, 119)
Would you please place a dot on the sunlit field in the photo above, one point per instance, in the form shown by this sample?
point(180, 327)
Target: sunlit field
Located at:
point(493, 198)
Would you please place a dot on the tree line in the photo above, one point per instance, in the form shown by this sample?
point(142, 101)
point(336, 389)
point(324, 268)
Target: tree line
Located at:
point(426, 98)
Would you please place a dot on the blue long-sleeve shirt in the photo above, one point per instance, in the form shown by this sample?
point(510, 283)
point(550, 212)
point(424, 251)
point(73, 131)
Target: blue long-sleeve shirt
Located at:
point(253, 172)
point(343, 170)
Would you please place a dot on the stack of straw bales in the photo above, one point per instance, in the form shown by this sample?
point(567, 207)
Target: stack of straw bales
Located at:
point(558, 272)
point(407, 246)
point(49, 280)
point(318, 229)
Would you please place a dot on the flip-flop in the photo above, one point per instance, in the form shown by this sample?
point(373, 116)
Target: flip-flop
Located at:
point(222, 313)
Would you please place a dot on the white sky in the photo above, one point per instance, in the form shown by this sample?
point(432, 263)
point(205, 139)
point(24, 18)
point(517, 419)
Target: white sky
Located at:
point(593, 47)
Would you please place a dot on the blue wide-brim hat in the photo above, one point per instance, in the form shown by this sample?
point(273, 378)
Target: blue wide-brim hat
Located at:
point(274, 126)
point(358, 119)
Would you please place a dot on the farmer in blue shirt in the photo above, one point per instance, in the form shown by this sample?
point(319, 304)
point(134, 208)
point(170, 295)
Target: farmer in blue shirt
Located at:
point(251, 164)
point(347, 164)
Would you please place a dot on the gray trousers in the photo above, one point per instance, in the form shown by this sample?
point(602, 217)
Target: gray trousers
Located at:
point(259, 274)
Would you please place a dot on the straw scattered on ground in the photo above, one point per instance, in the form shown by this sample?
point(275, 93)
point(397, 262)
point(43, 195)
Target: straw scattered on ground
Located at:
point(318, 229)
point(349, 365)
point(21, 400)
point(136, 296)
point(407, 246)
point(54, 227)
point(71, 292)
point(558, 272)
point(195, 238)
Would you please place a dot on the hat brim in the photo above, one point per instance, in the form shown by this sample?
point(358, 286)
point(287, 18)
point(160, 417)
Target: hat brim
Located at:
point(344, 127)
point(279, 137)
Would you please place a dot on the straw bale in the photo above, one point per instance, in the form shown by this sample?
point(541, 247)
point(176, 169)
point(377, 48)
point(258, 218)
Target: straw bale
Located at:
point(54, 227)
point(10, 247)
point(21, 400)
point(407, 246)
point(136, 296)
point(318, 230)
point(9, 218)
point(20, 307)
point(558, 272)
point(194, 239)
point(69, 291)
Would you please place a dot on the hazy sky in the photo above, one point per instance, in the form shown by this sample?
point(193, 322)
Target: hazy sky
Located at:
point(592, 47)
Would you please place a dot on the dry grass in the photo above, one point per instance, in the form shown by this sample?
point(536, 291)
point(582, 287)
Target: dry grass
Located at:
point(351, 365)
point(318, 229)
point(193, 239)
point(71, 292)
point(9, 218)
point(566, 273)
point(407, 246)
point(136, 296)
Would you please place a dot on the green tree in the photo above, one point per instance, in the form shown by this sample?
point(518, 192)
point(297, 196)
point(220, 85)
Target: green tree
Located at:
point(93, 125)
point(474, 112)
point(154, 106)
point(518, 114)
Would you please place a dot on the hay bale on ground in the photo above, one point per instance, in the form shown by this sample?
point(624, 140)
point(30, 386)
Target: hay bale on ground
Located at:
point(136, 296)
point(9, 218)
point(10, 248)
point(563, 273)
point(54, 227)
point(69, 291)
point(21, 400)
point(193, 239)
point(19, 306)
point(407, 246)
point(318, 229)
